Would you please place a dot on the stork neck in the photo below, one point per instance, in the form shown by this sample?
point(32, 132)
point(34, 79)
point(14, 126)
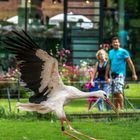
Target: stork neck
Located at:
point(98, 93)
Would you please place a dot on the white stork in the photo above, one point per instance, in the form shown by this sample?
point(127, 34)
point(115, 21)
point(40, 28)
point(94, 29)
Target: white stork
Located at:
point(39, 71)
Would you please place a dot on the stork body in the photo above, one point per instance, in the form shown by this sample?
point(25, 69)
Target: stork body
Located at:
point(39, 71)
point(58, 98)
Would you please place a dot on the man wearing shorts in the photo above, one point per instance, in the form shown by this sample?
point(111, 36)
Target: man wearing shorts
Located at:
point(117, 64)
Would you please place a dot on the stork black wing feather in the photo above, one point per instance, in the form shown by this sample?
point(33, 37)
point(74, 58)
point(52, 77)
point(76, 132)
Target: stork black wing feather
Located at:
point(29, 39)
point(19, 42)
point(14, 48)
point(25, 49)
point(26, 39)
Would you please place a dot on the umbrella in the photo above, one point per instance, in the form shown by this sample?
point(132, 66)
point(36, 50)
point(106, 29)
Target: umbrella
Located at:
point(80, 20)
point(13, 20)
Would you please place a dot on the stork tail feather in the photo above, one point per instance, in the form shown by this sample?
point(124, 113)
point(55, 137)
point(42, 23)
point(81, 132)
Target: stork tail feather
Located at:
point(33, 107)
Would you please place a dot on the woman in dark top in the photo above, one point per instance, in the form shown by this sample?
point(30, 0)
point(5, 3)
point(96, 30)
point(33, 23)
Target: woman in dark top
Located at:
point(98, 76)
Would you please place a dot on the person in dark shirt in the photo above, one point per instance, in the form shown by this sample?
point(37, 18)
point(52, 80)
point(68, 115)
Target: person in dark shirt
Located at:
point(97, 77)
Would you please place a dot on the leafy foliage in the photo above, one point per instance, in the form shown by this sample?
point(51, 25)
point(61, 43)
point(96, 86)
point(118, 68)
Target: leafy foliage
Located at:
point(132, 6)
point(69, 73)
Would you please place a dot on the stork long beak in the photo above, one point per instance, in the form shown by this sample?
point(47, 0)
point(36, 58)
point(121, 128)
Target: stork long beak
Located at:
point(110, 103)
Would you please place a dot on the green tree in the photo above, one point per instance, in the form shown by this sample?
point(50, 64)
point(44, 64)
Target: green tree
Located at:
point(132, 6)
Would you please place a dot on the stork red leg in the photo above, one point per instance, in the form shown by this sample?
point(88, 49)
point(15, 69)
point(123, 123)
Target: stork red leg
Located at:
point(65, 132)
point(77, 132)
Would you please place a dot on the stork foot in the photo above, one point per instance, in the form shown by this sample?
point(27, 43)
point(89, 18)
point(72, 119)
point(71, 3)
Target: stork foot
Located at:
point(66, 133)
point(74, 131)
point(77, 132)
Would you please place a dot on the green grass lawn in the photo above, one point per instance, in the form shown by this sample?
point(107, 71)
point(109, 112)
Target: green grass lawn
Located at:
point(46, 130)
point(28, 126)
point(133, 91)
point(133, 94)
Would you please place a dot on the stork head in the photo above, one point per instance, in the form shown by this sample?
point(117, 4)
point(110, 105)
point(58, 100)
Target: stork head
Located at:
point(107, 100)
point(102, 94)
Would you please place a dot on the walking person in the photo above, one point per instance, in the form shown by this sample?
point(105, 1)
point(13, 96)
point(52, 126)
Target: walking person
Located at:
point(118, 57)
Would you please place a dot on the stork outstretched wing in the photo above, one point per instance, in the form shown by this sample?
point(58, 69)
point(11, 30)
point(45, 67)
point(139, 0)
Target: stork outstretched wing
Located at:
point(39, 70)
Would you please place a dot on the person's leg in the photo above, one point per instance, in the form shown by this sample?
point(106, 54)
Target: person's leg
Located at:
point(100, 105)
point(121, 101)
point(118, 92)
point(107, 89)
point(116, 101)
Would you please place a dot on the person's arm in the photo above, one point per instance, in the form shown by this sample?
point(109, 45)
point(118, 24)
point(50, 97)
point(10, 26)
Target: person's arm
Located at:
point(107, 72)
point(132, 68)
point(92, 75)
